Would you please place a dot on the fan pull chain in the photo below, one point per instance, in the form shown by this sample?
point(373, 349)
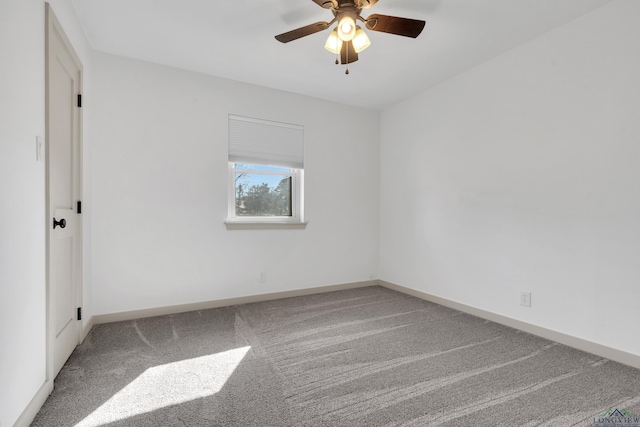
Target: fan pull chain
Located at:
point(337, 50)
point(347, 72)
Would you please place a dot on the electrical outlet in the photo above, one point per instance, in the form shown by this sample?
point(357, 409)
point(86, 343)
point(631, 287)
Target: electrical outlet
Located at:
point(263, 276)
point(525, 299)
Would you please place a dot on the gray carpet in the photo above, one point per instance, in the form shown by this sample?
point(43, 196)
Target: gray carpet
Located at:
point(361, 357)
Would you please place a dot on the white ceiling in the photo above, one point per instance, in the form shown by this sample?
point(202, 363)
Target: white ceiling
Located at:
point(235, 39)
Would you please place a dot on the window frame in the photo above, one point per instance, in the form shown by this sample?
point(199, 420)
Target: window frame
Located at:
point(297, 198)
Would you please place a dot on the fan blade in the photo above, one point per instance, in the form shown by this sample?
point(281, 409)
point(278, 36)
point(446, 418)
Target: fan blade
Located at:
point(302, 31)
point(327, 4)
point(394, 25)
point(366, 4)
point(348, 54)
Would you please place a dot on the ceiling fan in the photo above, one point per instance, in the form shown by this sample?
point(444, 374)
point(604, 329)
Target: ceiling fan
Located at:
point(348, 39)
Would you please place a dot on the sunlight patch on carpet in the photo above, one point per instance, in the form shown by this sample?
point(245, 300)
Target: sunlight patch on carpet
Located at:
point(167, 385)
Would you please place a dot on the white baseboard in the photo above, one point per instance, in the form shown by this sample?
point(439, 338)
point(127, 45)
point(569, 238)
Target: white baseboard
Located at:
point(205, 305)
point(86, 328)
point(562, 338)
point(28, 415)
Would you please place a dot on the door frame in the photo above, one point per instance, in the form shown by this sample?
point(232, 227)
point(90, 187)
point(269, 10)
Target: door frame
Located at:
point(53, 26)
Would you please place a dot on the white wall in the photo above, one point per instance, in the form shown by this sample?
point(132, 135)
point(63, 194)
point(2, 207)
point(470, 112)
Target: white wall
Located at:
point(522, 174)
point(22, 250)
point(22, 197)
point(160, 191)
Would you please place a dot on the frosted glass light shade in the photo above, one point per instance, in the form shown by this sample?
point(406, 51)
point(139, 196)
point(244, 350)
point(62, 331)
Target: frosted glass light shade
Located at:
point(360, 40)
point(333, 44)
point(346, 28)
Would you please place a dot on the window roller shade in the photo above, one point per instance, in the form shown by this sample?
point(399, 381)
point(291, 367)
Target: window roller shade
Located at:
point(264, 142)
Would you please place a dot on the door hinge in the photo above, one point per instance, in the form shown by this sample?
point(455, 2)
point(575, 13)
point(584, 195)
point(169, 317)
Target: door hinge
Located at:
point(79, 208)
point(79, 100)
point(79, 313)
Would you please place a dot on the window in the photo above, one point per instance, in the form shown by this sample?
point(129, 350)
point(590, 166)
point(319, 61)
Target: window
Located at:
point(265, 172)
point(264, 192)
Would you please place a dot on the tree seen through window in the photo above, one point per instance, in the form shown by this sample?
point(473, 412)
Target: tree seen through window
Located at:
point(259, 194)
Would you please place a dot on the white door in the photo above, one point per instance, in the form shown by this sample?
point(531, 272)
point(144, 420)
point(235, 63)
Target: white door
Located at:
point(64, 74)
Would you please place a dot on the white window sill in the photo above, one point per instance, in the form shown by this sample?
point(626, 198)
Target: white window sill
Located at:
point(271, 225)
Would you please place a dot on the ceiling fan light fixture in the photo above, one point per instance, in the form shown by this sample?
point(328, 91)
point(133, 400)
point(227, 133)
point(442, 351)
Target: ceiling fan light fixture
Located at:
point(347, 39)
point(334, 43)
point(360, 40)
point(347, 26)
